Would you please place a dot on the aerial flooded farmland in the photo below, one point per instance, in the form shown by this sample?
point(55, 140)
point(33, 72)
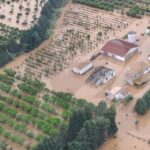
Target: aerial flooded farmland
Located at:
point(74, 75)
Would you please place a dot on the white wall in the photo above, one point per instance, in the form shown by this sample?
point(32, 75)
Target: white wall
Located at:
point(116, 56)
point(120, 58)
point(119, 96)
point(109, 54)
point(131, 38)
point(147, 71)
point(132, 50)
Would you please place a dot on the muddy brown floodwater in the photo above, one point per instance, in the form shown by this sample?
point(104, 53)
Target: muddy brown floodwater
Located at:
point(130, 136)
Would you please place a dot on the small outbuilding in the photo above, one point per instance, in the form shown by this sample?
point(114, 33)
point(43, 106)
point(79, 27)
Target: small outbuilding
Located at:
point(117, 93)
point(119, 49)
point(83, 68)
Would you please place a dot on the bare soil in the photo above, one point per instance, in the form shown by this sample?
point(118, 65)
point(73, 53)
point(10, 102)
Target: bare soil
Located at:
point(28, 10)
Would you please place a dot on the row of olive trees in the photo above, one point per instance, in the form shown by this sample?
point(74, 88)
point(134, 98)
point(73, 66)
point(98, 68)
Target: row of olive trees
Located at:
point(109, 5)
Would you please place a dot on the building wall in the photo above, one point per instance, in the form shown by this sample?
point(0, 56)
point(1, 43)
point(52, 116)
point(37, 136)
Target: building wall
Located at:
point(131, 53)
point(147, 71)
point(131, 38)
point(120, 58)
point(119, 96)
point(86, 69)
point(126, 57)
point(116, 57)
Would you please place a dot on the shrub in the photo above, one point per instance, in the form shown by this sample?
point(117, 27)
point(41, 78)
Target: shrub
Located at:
point(31, 100)
point(6, 79)
point(10, 111)
point(2, 106)
point(30, 134)
point(66, 114)
point(143, 104)
point(10, 72)
point(20, 127)
point(1, 129)
point(128, 99)
point(3, 118)
point(141, 107)
point(6, 134)
point(55, 121)
point(39, 137)
point(27, 88)
point(4, 87)
point(48, 108)
point(16, 93)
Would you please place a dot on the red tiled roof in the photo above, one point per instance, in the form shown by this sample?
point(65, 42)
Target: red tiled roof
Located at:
point(117, 47)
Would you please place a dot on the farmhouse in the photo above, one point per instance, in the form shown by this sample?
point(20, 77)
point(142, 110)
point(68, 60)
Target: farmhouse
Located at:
point(83, 68)
point(101, 75)
point(119, 49)
point(117, 93)
point(137, 74)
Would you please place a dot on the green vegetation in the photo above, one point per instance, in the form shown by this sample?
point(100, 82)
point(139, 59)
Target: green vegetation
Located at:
point(143, 104)
point(51, 115)
point(8, 135)
point(28, 103)
point(14, 42)
point(85, 131)
point(135, 9)
point(128, 99)
point(3, 145)
point(9, 36)
point(106, 5)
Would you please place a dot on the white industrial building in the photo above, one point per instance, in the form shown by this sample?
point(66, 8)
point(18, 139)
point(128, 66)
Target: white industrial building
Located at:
point(82, 69)
point(119, 49)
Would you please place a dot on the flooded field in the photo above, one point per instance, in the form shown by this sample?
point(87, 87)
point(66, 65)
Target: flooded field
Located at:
point(131, 135)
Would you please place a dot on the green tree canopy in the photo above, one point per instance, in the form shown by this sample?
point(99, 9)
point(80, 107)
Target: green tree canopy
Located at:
point(141, 107)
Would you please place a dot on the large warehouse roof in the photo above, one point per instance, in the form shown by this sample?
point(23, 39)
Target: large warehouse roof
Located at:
point(118, 47)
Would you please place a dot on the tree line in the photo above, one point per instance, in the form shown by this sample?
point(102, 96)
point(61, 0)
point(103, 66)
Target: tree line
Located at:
point(88, 129)
point(108, 5)
point(134, 10)
point(30, 39)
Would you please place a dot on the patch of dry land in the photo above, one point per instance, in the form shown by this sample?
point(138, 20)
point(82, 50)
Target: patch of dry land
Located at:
point(21, 14)
point(80, 33)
